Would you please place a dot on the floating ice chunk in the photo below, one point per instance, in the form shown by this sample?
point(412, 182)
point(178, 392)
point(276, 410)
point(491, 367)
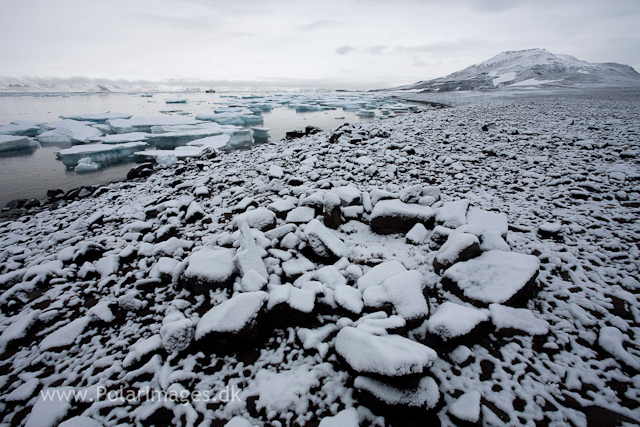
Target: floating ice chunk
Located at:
point(380, 273)
point(519, 319)
point(99, 153)
point(122, 138)
point(96, 118)
point(65, 335)
point(403, 291)
point(232, 315)
point(68, 132)
point(10, 143)
point(453, 320)
point(22, 128)
point(345, 418)
point(466, 407)
point(260, 134)
point(217, 142)
point(86, 165)
point(144, 124)
point(494, 276)
point(424, 395)
point(166, 160)
point(389, 355)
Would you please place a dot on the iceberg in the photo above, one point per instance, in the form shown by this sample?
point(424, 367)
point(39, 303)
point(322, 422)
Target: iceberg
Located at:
point(99, 153)
point(233, 116)
point(11, 142)
point(260, 134)
point(123, 137)
point(144, 124)
point(68, 132)
point(97, 118)
point(86, 165)
point(22, 128)
point(169, 137)
point(192, 149)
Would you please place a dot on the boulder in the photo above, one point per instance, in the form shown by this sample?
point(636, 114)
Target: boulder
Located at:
point(235, 317)
point(395, 216)
point(493, 277)
point(458, 247)
point(210, 268)
point(387, 355)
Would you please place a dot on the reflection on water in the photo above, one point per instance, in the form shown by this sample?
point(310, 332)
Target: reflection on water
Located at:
point(27, 174)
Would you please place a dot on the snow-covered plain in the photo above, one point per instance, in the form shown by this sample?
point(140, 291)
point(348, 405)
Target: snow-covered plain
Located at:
point(197, 278)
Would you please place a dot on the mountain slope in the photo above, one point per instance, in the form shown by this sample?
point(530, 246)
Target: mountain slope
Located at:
point(531, 68)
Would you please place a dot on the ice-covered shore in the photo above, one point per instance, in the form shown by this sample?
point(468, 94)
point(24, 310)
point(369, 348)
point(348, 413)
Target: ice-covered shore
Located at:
point(477, 264)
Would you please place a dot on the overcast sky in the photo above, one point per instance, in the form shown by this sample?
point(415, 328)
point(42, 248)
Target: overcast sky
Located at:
point(366, 43)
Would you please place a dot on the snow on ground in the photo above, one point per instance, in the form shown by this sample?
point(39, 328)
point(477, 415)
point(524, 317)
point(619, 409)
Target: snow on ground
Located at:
point(193, 279)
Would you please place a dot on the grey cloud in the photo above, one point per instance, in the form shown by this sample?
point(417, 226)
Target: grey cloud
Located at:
point(376, 50)
point(343, 50)
point(318, 25)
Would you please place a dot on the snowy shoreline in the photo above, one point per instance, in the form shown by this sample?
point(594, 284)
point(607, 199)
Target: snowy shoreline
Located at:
point(499, 265)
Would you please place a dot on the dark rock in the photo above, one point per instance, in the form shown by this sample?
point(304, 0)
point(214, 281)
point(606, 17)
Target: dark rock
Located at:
point(312, 130)
point(488, 126)
point(31, 203)
point(141, 171)
point(294, 134)
point(295, 181)
point(16, 204)
point(458, 248)
point(394, 216)
point(53, 194)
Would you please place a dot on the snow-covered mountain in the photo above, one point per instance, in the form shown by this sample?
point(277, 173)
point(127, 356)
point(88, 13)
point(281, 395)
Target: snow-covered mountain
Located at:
point(532, 68)
point(86, 85)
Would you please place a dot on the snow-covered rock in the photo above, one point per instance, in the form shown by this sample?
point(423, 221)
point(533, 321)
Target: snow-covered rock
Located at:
point(388, 355)
point(404, 291)
point(423, 394)
point(451, 320)
point(494, 276)
point(210, 268)
point(323, 242)
point(232, 316)
point(394, 216)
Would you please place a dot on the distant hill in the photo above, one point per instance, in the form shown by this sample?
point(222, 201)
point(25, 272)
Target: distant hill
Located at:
point(530, 69)
point(86, 85)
